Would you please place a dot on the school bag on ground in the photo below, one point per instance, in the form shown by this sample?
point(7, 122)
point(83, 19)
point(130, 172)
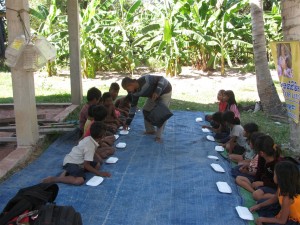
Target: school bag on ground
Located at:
point(52, 214)
point(26, 200)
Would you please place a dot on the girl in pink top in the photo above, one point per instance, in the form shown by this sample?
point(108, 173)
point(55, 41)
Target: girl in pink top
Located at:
point(231, 103)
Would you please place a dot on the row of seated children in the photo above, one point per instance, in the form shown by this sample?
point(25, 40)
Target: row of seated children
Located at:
point(98, 122)
point(226, 103)
point(273, 182)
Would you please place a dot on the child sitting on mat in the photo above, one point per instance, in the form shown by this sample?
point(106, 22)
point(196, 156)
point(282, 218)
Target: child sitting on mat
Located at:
point(123, 106)
point(220, 129)
point(231, 103)
point(249, 128)
point(263, 186)
point(90, 118)
point(105, 144)
point(287, 176)
point(237, 142)
point(81, 159)
point(93, 98)
point(248, 168)
point(221, 105)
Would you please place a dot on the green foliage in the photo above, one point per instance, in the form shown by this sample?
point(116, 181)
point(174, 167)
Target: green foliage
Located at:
point(121, 35)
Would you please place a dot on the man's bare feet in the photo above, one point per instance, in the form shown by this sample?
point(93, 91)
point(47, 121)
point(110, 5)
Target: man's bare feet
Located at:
point(149, 132)
point(158, 140)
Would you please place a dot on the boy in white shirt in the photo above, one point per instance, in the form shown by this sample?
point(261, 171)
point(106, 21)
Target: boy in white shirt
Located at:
point(81, 159)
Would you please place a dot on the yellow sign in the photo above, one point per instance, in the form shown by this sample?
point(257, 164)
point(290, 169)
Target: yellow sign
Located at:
point(286, 56)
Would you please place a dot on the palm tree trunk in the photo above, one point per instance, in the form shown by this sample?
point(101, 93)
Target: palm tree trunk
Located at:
point(265, 86)
point(291, 31)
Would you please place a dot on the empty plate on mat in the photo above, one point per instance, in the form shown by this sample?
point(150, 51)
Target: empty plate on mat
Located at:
point(217, 168)
point(116, 136)
point(205, 130)
point(210, 138)
point(199, 119)
point(223, 187)
point(95, 181)
point(124, 132)
point(112, 160)
point(219, 148)
point(121, 128)
point(121, 145)
point(213, 157)
point(244, 213)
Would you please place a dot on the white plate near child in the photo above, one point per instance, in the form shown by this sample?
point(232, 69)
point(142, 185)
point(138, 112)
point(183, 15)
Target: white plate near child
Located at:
point(210, 138)
point(199, 119)
point(112, 160)
point(124, 132)
point(121, 145)
point(94, 181)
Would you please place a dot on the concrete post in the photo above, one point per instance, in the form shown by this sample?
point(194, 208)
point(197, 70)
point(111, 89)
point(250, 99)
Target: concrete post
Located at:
point(22, 81)
point(74, 46)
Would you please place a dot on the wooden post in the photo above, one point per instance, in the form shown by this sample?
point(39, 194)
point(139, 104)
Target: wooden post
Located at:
point(74, 46)
point(22, 81)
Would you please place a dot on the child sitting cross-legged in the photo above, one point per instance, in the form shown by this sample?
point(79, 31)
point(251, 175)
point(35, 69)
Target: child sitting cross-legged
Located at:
point(263, 185)
point(81, 159)
point(287, 177)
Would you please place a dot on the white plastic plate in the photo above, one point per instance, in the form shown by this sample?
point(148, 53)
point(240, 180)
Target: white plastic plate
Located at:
point(124, 132)
point(116, 136)
point(94, 181)
point(217, 168)
point(199, 119)
point(244, 213)
point(210, 138)
point(121, 145)
point(205, 130)
point(121, 128)
point(112, 160)
point(219, 148)
point(224, 187)
point(213, 157)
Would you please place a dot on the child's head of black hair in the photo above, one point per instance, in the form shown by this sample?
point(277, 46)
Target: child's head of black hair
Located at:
point(231, 98)
point(217, 117)
point(93, 94)
point(254, 141)
point(99, 113)
point(250, 127)
point(90, 110)
point(229, 117)
point(97, 129)
point(106, 96)
point(288, 178)
point(268, 146)
point(114, 86)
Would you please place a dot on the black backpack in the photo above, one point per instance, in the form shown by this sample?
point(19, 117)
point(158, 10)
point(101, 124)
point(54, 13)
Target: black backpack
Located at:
point(57, 215)
point(28, 199)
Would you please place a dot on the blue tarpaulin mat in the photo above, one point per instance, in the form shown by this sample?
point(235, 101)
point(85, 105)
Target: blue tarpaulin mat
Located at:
point(165, 184)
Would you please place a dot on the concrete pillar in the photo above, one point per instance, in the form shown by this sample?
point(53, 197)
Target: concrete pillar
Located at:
point(22, 81)
point(74, 46)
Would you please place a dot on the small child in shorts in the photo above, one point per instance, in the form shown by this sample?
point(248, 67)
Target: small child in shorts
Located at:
point(81, 159)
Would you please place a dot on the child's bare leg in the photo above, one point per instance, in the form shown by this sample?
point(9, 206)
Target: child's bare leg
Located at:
point(244, 182)
point(259, 194)
point(64, 179)
point(235, 157)
point(228, 148)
